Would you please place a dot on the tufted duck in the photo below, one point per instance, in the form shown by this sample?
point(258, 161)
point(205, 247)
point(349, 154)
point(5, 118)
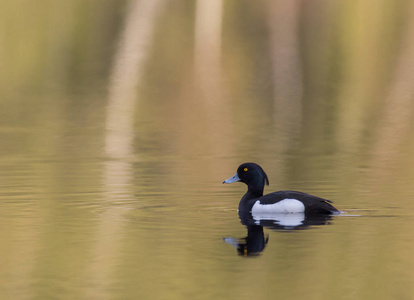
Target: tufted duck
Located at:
point(278, 202)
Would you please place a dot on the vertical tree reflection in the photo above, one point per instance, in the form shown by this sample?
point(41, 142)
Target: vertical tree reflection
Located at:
point(133, 49)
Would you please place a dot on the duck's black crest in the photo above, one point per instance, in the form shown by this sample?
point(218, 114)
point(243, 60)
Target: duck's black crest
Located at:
point(254, 171)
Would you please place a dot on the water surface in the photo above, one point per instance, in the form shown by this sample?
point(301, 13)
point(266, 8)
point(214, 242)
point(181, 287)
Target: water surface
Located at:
point(119, 121)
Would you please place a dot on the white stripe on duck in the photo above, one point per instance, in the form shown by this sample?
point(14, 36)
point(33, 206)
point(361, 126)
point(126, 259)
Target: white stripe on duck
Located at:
point(283, 206)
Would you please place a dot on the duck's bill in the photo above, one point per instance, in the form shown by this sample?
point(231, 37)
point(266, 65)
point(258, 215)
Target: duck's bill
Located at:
point(235, 178)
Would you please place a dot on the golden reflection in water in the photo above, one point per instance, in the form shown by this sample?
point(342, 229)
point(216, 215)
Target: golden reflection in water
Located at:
point(287, 74)
point(397, 113)
point(209, 92)
point(129, 64)
point(283, 22)
point(208, 35)
point(109, 233)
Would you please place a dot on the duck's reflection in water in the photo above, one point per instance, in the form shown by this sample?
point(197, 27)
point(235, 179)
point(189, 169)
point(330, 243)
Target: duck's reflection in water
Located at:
point(255, 241)
point(252, 244)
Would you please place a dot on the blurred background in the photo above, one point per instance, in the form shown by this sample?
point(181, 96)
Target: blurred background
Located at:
point(120, 119)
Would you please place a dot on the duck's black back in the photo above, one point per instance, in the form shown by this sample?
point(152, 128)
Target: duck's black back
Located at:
point(313, 204)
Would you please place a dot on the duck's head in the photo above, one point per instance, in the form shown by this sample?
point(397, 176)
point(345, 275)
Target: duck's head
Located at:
point(251, 174)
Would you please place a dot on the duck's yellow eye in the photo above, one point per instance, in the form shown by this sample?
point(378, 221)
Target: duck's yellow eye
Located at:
point(245, 169)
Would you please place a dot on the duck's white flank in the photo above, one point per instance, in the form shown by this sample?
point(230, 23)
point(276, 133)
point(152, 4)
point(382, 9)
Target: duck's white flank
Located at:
point(285, 206)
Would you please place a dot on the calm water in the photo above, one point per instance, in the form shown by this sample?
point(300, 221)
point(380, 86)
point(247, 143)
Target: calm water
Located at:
point(119, 121)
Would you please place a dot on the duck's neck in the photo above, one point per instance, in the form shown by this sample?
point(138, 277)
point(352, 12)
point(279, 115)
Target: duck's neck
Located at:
point(255, 186)
point(255, 192)
point(252, 193)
